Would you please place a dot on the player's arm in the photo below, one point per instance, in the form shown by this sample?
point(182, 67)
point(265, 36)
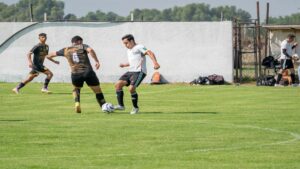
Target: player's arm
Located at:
point(295, 45)
point(94, 56)
point(29, 59)
point(284, 51)
point(153, 58)
point(50, 57)
point(124, 65)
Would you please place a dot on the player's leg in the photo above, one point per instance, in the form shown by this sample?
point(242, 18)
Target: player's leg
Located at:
point(76, 96)
point(99, 95)
point(93, 82)
point(120, 94)
point(136, 80)
point(30, 77)
point(77, 81)
point(279, 76)
point(134, 99)
point(49, 75)
point(123, 81)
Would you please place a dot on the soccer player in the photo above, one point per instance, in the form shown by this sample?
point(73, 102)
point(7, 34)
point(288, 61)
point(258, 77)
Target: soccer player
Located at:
point(137, 71)
point(81, 69)
point(287, 47)
point(39, 52)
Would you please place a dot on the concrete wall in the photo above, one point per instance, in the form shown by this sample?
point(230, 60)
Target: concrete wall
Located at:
point(9, 28)
point(184, 50)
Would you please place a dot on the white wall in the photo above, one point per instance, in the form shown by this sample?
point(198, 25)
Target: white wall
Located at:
point(184, 50)
point(9, 28)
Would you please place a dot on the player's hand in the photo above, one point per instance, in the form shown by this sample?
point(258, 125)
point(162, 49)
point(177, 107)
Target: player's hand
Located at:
point(156, 66)
point(30, 65)
point(97, 65)
point(295, 44)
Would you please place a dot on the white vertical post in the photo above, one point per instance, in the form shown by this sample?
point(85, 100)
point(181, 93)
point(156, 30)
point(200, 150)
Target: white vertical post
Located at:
point(45, 17)
point(132, 17)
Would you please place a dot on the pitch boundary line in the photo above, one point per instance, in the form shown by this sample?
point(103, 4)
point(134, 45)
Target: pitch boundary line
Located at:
point(296, 137)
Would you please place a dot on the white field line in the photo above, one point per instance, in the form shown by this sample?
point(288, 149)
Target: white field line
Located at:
point(296, 137)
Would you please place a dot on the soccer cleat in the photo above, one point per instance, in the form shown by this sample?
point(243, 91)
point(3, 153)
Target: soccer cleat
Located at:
point(134, 110)
point(77, 107)
point(294, 85)
point(45, 90)
point(15, 90)
point(118, 107)
point(278, 85)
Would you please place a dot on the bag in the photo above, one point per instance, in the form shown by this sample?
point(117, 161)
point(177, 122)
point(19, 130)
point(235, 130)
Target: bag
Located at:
point(200, 81)
point(270, 62)
point(216, 79)
point(267, 80)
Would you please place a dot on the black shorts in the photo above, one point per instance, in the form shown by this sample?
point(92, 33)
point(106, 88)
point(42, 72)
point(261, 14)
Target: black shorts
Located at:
point(89, 77)
point(133, 78)
point(286, 64)
point(38, 69)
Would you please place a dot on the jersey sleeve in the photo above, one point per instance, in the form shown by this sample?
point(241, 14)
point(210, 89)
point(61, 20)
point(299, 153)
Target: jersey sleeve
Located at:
point(47, 47)
point(142, 49)
point(60, 52)
point(284, 45)
point(85, 46)
point(34, 49)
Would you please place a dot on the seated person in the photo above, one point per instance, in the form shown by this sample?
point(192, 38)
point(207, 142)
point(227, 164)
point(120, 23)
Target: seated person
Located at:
point(286, 77)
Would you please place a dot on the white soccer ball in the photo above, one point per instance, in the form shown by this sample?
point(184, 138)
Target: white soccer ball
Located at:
point(107, 108)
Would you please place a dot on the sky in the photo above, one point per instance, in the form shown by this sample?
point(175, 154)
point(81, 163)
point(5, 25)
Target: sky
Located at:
point(123, 7)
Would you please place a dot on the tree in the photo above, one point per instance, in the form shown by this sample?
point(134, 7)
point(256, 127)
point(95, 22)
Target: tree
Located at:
point(293, 19)
point(20, 10)
point(70, 17)
point(55, 11)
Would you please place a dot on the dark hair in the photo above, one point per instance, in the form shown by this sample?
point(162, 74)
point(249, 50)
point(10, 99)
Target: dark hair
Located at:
point(76, 38)
point(43, 34)
point(291, 35)
point(129, 37)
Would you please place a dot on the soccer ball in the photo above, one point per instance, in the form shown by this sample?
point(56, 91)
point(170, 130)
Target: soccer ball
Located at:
point(107, 108)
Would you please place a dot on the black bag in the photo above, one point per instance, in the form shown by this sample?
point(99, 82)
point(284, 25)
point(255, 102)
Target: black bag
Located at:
point(216, 79)
point(270, 62)
point(267, 80)
point(200, 81)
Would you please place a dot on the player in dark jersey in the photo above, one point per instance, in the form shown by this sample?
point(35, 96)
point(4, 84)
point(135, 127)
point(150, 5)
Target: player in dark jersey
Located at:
point(81, 69)
point(39, 52)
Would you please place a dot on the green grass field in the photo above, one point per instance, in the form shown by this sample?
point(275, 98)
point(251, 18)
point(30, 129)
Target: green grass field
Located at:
point(180, 127)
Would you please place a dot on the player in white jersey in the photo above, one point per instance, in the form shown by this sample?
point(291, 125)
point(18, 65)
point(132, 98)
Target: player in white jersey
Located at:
point(286, 50)
point(137, 71)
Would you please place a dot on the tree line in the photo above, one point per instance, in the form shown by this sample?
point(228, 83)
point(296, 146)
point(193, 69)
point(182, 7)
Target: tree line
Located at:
point(19, 12)
point(54, 9)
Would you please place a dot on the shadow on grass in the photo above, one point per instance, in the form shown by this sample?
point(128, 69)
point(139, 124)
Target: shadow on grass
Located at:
point(181, 113)
point(3, 120)
point(192, 112)
point(69, 93)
